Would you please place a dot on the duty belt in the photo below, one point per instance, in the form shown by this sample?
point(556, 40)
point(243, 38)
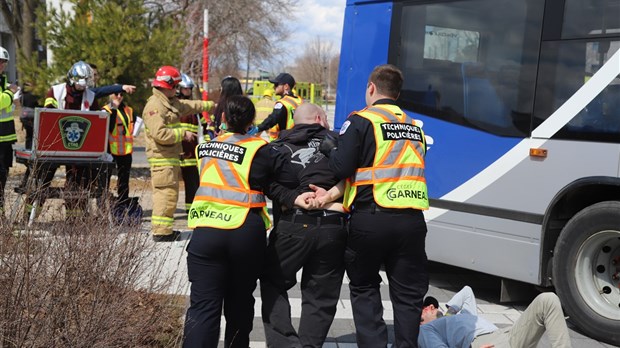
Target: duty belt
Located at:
point(314, 217)
point(374, 208)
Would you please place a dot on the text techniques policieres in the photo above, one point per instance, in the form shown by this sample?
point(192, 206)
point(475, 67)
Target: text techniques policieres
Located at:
point(225, 151)
point(401, 131)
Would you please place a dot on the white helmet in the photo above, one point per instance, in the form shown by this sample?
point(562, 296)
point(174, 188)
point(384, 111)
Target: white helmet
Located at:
point(80, 74)
point(4, 54)
point(186, 81)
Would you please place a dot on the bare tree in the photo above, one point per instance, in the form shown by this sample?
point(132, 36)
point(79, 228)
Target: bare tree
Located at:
point(332, 75)
point(316, 64)
point(237, 29)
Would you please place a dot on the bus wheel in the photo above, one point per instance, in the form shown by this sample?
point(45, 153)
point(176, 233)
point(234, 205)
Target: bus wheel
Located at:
point(586, 270)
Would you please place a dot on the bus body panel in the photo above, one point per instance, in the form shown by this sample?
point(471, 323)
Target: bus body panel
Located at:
point(486, 96)
point(365, 41)
point(523, 188)
point(473, 167)
point(469, 150)
point(486, 244)
point(469, 153)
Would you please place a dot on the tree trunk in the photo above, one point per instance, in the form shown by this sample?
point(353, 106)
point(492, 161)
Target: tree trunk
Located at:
point(28, 29)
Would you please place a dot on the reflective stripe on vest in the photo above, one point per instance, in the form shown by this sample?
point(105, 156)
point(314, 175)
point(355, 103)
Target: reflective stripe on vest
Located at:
point(397, 174)
point(224, 198)
point(290, 103)
point(7, 125)
point(121, 137)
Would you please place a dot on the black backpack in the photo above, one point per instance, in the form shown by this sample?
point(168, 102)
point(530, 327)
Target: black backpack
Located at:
point(127, 213)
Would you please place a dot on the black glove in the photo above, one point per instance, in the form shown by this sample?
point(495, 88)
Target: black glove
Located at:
point(328, 144)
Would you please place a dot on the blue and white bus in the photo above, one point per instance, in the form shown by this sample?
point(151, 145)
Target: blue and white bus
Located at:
point(520, 101)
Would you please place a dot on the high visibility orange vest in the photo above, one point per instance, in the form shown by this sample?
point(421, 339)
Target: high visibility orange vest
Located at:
point(291, 103)
point(397, 173)
point(224, 198)
point(121, 136)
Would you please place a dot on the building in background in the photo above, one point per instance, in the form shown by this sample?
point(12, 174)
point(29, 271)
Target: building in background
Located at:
point(6, 41)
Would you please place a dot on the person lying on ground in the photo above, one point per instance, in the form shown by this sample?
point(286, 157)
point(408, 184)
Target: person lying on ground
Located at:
point(462, 327)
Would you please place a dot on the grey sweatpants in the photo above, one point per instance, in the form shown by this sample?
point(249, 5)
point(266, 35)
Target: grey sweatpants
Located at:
point(544, 313)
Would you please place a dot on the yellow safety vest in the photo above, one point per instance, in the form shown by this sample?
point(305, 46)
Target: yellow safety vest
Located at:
point(291, 103)
point(121, 137)
point(397, 173)
point(7, 125)
point(224, 198)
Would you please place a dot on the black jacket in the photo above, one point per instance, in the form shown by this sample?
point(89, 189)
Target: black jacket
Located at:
point(306, 165)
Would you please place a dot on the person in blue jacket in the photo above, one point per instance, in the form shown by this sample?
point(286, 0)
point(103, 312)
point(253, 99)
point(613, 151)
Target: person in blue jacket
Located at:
point(107, 90)
point(461, 327)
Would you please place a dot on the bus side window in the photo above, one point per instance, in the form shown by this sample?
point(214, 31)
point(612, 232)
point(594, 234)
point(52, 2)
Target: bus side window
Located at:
point(602, 114)
point(481, 101)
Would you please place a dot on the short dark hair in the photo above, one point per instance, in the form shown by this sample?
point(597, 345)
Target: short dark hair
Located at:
point(240, 113)
point(388, 79)
point(430, 300)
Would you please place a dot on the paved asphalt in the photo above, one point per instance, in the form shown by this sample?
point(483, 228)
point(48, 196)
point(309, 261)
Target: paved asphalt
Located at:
point(445, 281)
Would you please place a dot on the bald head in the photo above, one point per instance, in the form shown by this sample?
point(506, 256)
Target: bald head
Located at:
point(308, 113)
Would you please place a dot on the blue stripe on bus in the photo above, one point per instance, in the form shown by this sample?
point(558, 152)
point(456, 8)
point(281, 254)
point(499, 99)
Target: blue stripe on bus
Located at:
point(459, 154)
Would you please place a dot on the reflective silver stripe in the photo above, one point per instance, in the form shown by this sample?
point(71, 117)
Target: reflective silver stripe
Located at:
point(230, 195)
point(387, 173)
point(227, 175)
point(398, 146)
point(229, 179)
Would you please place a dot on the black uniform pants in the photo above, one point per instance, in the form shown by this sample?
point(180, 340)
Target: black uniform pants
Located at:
point(396, 240)
point(223, 266)
point(123, 171)
point(315, 244)
point(6, 161)
point(191, 180)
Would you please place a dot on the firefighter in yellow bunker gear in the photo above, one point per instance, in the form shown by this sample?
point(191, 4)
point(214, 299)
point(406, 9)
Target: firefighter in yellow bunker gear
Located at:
point(164, 134)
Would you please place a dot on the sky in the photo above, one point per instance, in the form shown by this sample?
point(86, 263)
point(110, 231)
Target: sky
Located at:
point(322, 18)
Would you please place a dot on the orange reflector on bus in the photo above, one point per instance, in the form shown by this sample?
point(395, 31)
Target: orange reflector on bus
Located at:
point(538, 153)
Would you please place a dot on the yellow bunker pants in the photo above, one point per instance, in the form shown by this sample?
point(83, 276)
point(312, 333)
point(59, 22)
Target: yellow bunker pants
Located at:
point(165, 183)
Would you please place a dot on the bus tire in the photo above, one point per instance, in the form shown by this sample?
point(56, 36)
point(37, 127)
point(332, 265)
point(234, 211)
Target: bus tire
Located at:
point(586, 270)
